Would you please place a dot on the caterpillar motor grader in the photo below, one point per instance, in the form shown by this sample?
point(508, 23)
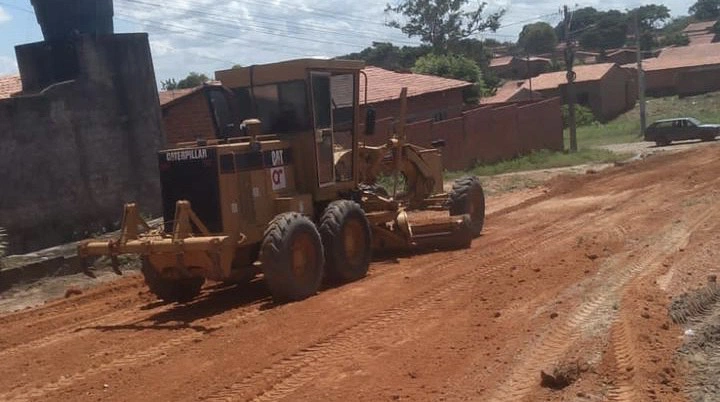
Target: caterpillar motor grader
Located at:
point(287, 188)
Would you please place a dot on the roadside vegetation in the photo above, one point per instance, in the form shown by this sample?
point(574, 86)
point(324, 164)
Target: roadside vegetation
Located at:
point(626, 128)
point(543, 160)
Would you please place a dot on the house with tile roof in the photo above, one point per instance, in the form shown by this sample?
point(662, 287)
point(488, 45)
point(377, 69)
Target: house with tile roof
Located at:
point(684, 70)
point(701, 33)
point(186, 114)
point(607, 89)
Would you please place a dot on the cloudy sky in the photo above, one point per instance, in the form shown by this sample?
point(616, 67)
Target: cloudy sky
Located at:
point(207, 35)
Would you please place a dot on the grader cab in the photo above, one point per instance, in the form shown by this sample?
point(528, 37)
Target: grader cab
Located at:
point(288, 189)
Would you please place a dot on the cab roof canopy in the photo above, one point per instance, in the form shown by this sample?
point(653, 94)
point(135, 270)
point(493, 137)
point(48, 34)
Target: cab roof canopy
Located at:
point(284, 71)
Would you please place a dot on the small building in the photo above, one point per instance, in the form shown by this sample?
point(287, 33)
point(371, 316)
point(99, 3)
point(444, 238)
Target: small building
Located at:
point(684, 71)
point(701, 33)
point(186, 113)
point(10, 85)
point(607, 89)
point(513, 67)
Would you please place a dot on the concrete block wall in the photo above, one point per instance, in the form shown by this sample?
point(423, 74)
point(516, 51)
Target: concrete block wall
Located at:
point(71, 155)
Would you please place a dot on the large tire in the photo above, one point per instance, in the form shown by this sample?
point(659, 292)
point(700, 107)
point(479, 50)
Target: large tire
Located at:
point(292, 258)
point(346, 237)
point(170, 290)
point(467, 197)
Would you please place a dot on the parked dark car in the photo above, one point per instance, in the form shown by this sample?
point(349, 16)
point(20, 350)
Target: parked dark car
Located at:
point(663, 132)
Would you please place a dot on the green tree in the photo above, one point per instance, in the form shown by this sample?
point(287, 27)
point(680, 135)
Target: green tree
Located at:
point(538, 38)
point(581, 20)
point(705, 9)
point(388, 56)
point(609, 32)
point(649, 17)
point(440, 22)
point(191, 81)
point(453, 66)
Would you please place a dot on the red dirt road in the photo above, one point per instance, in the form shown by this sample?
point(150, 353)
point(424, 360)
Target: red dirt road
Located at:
point(579, 278)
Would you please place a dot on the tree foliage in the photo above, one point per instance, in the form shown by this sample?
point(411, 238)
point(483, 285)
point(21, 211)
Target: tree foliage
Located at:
point(649, 17)
point(538, 38)
point(609, 32)
point(453, 66)
point(705, 9)
point(441, 22)
point(191, 81)
point(388, 56)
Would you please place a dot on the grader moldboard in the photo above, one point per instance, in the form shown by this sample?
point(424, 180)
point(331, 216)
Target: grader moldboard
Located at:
point(286, 188)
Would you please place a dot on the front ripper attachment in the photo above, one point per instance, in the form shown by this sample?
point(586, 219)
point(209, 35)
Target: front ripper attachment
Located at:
point(182, 247)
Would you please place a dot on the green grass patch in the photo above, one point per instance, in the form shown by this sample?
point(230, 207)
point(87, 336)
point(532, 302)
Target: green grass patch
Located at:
point(626, 128)
point(542, 160)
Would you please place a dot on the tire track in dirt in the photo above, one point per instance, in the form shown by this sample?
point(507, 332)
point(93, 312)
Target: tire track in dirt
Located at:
point(593, 312)
point(624, 351)
point(141, 357)
point(286, 376)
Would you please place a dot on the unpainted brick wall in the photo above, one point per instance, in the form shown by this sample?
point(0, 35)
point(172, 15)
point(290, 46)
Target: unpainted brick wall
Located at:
point(72, 155)
point(188, 119)
point(486, 134)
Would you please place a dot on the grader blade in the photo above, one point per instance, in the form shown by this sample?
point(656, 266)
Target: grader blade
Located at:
point(178, 250)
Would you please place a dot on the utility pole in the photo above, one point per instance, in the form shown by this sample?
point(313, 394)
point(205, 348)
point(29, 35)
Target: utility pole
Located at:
point(641, 79)
point(571, 76)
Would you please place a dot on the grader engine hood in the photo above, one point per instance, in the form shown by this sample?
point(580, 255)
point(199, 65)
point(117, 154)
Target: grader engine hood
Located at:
point(191, 175)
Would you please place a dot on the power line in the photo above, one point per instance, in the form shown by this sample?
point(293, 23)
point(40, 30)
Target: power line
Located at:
point(275, 22)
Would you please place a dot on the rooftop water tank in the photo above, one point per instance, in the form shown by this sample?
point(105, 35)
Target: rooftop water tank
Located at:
point(61, 19)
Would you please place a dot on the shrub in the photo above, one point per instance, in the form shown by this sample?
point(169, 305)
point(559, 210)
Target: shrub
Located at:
point(583, 116)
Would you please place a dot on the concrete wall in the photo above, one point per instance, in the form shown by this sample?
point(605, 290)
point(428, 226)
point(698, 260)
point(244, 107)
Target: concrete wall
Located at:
point(71, 155)
point(188, 118)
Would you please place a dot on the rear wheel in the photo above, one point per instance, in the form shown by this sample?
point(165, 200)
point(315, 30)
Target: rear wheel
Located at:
point(292, 258)
point(708, 138)
point(467, 197)
point(346, 237)
point(662, 142)
point(170, 290)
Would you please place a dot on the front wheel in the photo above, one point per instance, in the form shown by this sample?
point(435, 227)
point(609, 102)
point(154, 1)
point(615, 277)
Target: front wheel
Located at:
point(467, 197)
point(346, 237)
point(292, 258)
point(170, 290)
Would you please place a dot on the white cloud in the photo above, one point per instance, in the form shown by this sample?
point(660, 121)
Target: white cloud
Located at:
point(8, 65)
point(206, 35)
point(4, 16)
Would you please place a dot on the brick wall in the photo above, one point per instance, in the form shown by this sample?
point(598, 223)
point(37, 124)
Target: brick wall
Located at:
point(698, 81)
point(188, 119)
point(487, 134)
point(73, 154)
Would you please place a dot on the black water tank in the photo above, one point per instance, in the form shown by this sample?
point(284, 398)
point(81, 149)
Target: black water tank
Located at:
point(61, 19)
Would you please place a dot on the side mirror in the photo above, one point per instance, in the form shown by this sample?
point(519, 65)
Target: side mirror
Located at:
point(370, 121)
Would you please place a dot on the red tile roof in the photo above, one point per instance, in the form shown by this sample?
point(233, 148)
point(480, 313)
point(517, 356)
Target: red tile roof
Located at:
point(685, 56)
point(384, 85)
point(593, 72)
point(510, 92)
point(703, 26)
point(703, 39)
point(10, 85)
point(501, 61)
point(169, 96)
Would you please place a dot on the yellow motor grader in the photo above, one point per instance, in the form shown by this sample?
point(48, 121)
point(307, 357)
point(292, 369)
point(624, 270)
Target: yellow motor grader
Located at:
point(287, 188)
